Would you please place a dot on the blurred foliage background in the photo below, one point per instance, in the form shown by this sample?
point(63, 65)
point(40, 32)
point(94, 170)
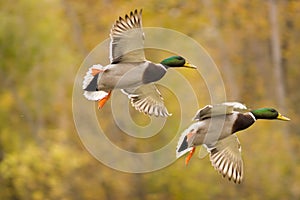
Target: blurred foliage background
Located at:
point(255, 44)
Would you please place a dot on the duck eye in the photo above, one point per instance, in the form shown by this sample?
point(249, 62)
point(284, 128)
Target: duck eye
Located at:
point(180, 58)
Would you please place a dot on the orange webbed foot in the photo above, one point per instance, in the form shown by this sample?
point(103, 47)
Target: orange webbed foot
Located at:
point(188, 158)
point(101, 102)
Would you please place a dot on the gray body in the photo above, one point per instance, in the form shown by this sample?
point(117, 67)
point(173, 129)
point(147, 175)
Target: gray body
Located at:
point(129, 75)
point(210, 130)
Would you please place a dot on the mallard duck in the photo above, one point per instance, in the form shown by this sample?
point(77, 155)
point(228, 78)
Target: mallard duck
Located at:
point(129, 70)
point(222, 143)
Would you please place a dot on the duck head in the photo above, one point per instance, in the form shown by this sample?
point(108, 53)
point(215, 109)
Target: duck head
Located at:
point(176, 61)
point(268, 113)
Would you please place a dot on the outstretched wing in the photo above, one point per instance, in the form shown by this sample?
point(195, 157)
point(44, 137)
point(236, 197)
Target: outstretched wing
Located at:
point(127, 39)
point(218, 109)
point(147, 99)
point(225, 157)
point(236, 106)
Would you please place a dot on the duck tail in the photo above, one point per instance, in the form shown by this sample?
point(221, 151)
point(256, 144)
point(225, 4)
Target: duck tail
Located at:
point(90, 83)
point(95, 96)
point(182, 145)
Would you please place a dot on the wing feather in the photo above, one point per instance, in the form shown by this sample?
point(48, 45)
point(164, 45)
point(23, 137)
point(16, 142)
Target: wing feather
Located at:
point(225, 157)
point(225, 108)
point(147, 99)
point(127, 39)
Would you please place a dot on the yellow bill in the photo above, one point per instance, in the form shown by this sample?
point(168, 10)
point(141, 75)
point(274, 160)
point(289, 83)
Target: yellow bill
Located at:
point(281, 117)
point(188, 65)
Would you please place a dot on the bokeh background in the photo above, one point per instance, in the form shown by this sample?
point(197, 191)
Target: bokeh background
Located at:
point(255, 45)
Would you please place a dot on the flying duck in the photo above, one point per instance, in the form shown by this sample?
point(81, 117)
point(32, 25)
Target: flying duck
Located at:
point(215, 127)
point(129, 70)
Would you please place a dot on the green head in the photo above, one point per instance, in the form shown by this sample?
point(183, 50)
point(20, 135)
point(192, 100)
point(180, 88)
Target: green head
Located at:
point(268, 113)
point(176, 61)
